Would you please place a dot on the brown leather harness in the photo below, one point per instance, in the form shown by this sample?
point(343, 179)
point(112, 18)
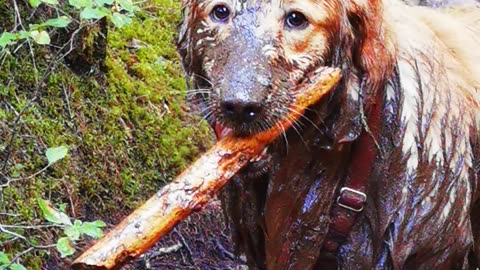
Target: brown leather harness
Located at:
point(352, 196)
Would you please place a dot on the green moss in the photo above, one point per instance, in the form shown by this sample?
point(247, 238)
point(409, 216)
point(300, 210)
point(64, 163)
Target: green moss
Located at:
point(127, 129)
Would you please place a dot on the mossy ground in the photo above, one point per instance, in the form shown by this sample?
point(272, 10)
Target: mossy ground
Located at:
point(124, 121)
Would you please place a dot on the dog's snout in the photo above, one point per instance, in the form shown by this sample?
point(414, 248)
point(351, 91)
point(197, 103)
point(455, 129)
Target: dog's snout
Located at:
point(241, 112)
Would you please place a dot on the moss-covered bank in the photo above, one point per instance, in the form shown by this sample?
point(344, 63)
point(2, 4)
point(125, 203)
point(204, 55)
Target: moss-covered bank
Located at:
point(122, 116)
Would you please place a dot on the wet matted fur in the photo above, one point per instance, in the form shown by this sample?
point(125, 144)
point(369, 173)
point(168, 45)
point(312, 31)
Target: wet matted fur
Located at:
point(423, 209)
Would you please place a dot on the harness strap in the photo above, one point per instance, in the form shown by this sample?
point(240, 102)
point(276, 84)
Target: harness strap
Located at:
point(352, 196)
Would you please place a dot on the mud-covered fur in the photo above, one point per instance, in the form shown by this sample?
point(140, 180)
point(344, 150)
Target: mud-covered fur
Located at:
point(423, 209)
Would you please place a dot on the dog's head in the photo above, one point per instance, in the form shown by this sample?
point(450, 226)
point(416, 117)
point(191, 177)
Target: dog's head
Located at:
point(245, 56)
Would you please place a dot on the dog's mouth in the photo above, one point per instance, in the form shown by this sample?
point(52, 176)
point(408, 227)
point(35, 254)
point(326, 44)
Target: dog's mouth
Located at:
point(274, 110)
point(221, 131)
point(262, 164)
point(255, 168)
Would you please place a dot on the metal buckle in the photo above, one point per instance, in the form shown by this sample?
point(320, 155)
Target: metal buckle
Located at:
point(361, 194)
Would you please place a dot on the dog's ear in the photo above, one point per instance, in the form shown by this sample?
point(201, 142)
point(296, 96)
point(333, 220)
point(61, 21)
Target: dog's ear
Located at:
point(188, 36)
point(366, 56)
point(374, 50)
point(184, 36)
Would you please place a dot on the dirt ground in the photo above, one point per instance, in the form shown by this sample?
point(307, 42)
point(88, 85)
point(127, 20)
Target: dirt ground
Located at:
point(201, 242)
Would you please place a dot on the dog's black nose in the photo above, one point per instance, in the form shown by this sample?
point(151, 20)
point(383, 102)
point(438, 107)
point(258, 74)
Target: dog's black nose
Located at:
point(241, 112)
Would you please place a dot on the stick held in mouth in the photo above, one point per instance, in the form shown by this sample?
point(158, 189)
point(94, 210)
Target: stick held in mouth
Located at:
point(196, 185)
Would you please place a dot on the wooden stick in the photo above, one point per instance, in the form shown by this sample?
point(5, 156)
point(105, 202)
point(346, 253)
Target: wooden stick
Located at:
point(195, 186)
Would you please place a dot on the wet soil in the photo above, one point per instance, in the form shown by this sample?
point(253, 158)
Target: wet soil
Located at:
point(201, 242)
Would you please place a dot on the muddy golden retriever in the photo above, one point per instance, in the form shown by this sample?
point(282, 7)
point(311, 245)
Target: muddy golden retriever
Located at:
point(381, 174)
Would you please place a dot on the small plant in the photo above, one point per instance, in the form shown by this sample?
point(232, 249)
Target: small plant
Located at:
point(53, 155)
point(73, 231)
point(65, 245)
point(119, 12)
point(6, 264)
point(37, 32)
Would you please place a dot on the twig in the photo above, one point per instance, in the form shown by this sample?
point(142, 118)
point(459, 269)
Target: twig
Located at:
point(10, 106)
point(18, 256)
point(9, 180)
point(12, 137)
point(19, 47)
point(2, 229)
point(67, 186)
point(224, 251)
point(58, 10)
point(9, 214)
point(67, 102)
point(33, 227)
point(187, 247)
point(11, 240)
point(18, 17)
point(166, 250)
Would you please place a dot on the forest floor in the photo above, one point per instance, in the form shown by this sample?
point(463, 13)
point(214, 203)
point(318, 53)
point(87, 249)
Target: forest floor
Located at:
point(201, 242)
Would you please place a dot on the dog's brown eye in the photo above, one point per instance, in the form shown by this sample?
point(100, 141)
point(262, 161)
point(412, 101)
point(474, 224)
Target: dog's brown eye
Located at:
point(296, 20)
point(220, 13)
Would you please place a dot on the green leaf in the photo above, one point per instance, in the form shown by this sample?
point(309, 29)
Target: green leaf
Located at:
point(34, 3)
point(34, 26)
point(51, 2)
point(17, 266)
point(126, 5)
point(94, 13)
point(61, 21)
point(19, 166)
point(77, 222)
point(4, 258)
point(41, 37)
point(62, 207)
point(7, 38)
point(79, 4)
point(52, 214)
point(119, 20)
point(54, 154)
point(34, 241)
point(99, 223)
point(104, 2)
point(73, 232)
point(64, 246)
point(16, 170)
point(91, 229)
point(24, 34)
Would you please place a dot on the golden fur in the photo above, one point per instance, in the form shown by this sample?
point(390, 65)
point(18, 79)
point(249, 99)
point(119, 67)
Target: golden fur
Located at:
point(423, 192)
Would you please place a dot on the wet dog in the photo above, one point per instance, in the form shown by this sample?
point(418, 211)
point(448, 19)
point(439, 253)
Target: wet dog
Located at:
point(381, 174)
